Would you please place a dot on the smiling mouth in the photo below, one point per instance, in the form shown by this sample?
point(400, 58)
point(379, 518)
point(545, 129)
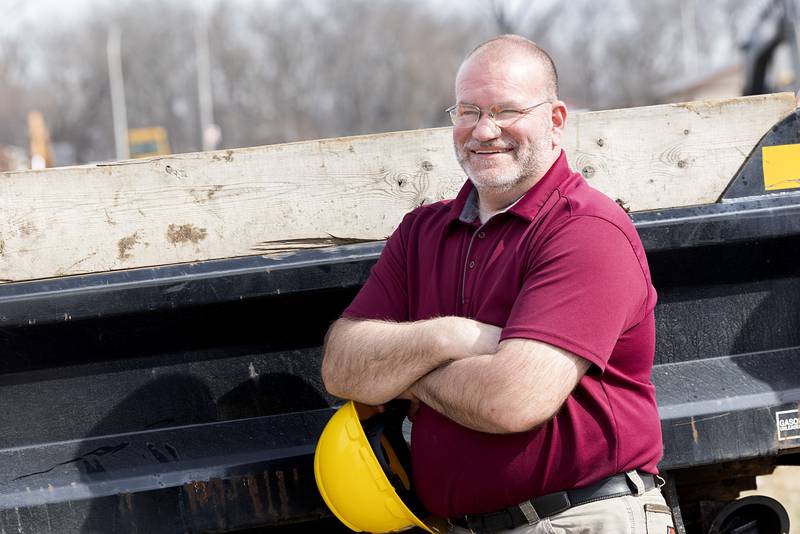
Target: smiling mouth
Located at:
point(490, 151)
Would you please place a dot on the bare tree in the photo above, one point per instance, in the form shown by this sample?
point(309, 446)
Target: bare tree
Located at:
point(300, 69)
point(532, 20)
point(319, 75)
point(280, 72)
point(13, 96)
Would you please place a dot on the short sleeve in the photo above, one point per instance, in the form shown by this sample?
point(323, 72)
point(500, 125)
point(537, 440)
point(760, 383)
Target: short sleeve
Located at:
point(581, 290)
point(384, 296)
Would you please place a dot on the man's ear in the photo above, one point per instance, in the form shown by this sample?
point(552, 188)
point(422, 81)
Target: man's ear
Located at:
point(558, 119)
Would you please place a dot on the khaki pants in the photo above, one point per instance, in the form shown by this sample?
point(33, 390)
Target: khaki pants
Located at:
point(643, 514)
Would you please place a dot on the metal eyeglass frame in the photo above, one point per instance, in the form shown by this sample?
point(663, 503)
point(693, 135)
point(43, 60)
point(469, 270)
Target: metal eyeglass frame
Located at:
point(491, 112)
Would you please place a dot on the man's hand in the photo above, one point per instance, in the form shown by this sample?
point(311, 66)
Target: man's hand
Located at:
point(474, 337)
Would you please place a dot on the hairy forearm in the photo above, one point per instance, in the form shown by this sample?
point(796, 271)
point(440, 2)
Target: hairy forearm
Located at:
point(506, 392)
point(459, 391)
point(375, 361)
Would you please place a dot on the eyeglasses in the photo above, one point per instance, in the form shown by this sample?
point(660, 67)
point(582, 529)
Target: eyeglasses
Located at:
point(467, 115)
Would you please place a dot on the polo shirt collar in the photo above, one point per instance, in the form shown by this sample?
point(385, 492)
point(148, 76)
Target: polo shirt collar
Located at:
point(465, 206)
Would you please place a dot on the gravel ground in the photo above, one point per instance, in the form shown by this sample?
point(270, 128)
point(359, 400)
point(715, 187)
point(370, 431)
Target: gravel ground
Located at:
point(784, 486)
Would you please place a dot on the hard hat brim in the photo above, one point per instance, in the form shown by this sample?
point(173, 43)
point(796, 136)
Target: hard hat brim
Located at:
point(352, 482)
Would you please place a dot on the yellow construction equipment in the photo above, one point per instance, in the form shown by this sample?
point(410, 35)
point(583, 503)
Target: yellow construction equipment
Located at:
point(147, 142)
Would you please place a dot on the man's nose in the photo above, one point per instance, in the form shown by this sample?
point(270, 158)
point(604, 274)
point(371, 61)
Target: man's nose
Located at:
point(485, 129)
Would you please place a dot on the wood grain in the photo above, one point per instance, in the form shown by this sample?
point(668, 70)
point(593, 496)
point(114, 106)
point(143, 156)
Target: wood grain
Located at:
point(671, 155)
point(199, 206)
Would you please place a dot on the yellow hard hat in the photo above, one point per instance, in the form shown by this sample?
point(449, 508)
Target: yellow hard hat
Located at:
point(362, 466)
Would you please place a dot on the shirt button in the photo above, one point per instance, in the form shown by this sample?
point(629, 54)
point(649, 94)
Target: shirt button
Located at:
point(472, 264)
point(481, 235)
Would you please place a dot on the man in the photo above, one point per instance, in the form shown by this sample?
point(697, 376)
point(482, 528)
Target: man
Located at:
point(520, 317)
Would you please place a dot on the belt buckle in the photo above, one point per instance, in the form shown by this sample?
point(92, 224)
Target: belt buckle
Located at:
point(553, 503)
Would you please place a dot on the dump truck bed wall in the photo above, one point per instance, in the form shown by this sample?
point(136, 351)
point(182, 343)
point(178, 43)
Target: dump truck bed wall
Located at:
point(187, 398)
point(192, 393)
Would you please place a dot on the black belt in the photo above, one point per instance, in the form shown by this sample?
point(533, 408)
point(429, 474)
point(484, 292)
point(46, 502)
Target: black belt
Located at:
point(551, 504)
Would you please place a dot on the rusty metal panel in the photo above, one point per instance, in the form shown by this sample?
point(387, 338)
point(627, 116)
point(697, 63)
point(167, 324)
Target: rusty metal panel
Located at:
point(216, 477)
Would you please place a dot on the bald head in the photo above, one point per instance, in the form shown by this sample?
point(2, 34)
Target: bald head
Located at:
point(513, 47)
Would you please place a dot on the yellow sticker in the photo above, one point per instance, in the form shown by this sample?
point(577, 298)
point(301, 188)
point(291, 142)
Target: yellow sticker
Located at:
point(781, 167)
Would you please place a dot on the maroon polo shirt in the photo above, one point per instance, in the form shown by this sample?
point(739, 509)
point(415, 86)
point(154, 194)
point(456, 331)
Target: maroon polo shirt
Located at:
point(565, 266)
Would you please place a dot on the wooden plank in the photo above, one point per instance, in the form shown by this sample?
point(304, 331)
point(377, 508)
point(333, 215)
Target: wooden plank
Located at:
point(199, 206)
point(671, 155)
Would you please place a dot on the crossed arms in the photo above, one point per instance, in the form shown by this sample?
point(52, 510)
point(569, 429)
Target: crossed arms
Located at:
point(455, 366)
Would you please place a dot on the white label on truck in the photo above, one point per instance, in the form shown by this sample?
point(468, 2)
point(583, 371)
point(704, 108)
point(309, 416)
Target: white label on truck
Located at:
point(788, 422)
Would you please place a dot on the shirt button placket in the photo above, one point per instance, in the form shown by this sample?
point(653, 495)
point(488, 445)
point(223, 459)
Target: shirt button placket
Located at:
point(468, 281)
point(480, 235)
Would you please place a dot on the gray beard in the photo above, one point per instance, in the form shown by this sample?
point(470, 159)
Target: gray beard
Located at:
point(529, 165)
point(506, 183)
